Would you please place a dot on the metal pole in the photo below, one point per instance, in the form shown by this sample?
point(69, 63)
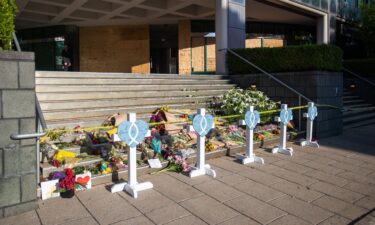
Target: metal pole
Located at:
point(299, 114)
point(16, 41)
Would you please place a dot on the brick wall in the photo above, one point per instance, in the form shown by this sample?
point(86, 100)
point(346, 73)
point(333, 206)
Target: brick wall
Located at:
point(123, 49)
point(18, 159)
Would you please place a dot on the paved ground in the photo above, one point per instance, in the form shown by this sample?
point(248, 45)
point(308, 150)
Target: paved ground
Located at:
point(332, 185)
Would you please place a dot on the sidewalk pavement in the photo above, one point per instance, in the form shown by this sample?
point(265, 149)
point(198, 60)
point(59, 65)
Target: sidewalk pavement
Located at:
point(331, 185)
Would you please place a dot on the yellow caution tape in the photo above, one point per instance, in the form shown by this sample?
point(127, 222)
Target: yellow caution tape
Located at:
point(113, 129)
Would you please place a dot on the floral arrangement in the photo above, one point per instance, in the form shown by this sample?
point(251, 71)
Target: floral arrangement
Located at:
point(236, 100)
point(259, 137)
point(164, 108)
point(68, 182)
point(210, 147)
point(176, 164)
point(106, 167)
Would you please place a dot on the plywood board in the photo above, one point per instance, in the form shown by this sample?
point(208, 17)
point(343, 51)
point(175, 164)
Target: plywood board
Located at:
point(115, 49)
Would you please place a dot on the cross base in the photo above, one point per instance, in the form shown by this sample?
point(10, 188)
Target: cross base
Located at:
point(206, 170)
point(285, 151)
point(132, 189)
point(246, 160)
point(313, 144)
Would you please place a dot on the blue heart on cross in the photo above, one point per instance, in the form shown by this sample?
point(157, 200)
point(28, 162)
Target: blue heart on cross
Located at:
point(286, 116)
point(252, 119)
point(203, 124)
point(133, 133)
point(312, 112)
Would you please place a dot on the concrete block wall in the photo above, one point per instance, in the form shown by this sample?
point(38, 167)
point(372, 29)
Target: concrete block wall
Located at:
point(18, 159)
point(323, 88)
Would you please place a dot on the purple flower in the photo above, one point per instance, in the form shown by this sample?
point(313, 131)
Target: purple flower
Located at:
point(57, 175)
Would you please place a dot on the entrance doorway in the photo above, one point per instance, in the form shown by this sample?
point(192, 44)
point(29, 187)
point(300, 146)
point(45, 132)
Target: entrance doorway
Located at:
point(164, 48)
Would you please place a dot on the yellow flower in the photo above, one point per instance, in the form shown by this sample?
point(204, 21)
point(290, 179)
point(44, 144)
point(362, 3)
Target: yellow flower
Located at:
point(61, 155)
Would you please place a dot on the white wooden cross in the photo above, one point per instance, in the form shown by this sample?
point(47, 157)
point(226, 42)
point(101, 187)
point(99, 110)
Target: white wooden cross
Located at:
point(202, 124)
point(284, 118)
point(312, 113)
point(132, 133)
point(251, 120)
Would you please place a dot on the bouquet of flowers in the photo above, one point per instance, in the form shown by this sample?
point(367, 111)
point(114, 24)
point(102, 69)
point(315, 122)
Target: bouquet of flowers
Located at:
point(176, 164)
point(68, 182)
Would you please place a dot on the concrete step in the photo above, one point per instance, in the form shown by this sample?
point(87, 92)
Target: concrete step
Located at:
point(359, 118)
point(105, 88)
point(98, 121)
point(62, 74)
point(86, 122)
point(122, 81)
point(359, 124)
point(358, 106)
point(350, 97)
point(47, 168)
point(124, 94)
point(105, 112)
point(50, 106)
point(75, 149)
point(353, 102)
point(353, 112)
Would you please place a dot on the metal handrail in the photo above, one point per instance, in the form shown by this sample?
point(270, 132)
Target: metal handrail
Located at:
point(358, 76)
point(40, 114)
point(26, 136)
point(270, 75)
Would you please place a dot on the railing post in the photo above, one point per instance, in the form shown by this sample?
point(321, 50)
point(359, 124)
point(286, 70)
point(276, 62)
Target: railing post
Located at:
point(284, 118)
point(132, 133)
point(252, 118)
point(299, 113)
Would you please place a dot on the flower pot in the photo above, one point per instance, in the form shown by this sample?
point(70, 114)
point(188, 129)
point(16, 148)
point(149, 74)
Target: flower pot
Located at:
point(67, 194)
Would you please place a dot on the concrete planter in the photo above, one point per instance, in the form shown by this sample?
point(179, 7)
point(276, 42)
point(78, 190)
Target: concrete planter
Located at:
point(18, 159)
point(322, 87)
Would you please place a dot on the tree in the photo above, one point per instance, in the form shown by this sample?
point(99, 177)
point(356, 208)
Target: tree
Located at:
point(8, 11)
point(368, 27)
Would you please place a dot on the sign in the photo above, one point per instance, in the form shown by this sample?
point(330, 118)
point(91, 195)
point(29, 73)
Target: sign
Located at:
point(133, 133)
point(154, 163)
point(202, 124)
point(49, 189)
point(252, 118)
point(286, 115)
point(312, 112)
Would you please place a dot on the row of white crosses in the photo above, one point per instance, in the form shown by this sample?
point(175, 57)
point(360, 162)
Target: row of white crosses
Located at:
point(133, 132)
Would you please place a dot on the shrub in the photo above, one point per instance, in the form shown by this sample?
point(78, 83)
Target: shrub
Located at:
point(363, 67)
point(236, 100)
point(367, 27)
point(8, 10)
point(287, 59)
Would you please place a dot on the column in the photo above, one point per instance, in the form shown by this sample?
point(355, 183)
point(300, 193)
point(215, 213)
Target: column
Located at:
point(230, 29)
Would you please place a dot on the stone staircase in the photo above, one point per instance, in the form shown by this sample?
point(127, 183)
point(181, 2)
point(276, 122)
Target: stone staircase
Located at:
point(357, 112)
point(68, 99)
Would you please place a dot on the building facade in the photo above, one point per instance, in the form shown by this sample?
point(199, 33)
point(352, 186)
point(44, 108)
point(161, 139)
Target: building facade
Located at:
point(169, 36)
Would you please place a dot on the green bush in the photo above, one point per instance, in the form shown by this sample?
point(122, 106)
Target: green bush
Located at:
point(8, 11)
point(363, 67)
point(287, 59)
point(236, 100)
point(367, 27)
